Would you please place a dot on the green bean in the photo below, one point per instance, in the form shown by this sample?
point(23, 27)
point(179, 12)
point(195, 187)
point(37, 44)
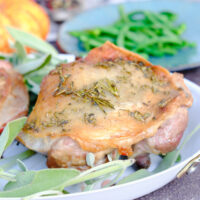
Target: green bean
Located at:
point(122, 14)
point(87, 46)
point(110, 30)
point(179, 29)
point(90, 41)
point(132, 25)
point(154, 52)
point(168, 50)
point(171, 16)
point(77, 33)
point(130, 45)
point(121, 36)
point(94, 32)
point(104, 38)
point(144, 55)
point(137, 37)
point(136, 16)
point(149, 33)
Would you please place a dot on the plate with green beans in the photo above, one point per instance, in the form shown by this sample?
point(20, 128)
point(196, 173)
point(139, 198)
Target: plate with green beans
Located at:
point(165, 32)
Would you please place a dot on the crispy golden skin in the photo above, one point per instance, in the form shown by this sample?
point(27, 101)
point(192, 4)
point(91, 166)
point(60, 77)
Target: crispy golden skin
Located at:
point(112, 99)
point(14, 98)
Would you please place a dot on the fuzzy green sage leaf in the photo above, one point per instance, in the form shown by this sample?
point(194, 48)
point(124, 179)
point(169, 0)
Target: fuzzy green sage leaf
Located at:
point(20, 50)
point(31, 182)
point(10, 132)
point(33, 65)
point(8, 163)
point(31, 41)
point(21, 165)
point(7, 176)
point(90, 159)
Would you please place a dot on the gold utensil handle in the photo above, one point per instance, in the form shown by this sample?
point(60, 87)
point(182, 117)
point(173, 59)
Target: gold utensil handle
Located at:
point(190, 166)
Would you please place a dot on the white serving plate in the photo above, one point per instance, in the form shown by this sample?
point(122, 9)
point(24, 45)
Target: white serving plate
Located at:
point(137, 188)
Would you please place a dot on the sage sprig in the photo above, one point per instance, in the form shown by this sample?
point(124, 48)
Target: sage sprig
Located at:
point(10, 162)
point(31, 41)
point(30, 182)
point(21, 165)
point(10, 132)
point(33, 65)
point(7, 176)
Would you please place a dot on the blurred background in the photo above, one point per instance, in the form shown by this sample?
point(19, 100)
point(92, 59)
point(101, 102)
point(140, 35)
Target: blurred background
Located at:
point(164, 31)
point(63, 10)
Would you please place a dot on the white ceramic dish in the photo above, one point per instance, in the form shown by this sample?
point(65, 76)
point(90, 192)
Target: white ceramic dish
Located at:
point(137, 188)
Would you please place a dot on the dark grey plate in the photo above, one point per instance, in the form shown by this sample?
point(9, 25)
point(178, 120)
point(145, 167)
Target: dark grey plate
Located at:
point(188, 12)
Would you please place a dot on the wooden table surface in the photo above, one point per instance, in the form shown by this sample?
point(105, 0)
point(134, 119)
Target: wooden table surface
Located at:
point(188, 186)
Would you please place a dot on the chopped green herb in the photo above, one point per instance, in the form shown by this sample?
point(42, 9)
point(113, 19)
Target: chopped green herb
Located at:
point(56, 120)
point(96, 93)
point(89, 118)
point(62, 89)
point(139, 116)
point(164, 102)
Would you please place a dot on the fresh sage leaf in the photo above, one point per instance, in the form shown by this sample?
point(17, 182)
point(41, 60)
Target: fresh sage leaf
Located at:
point(21, 165)
point(14, 172)
point(10, 132)
point(3, 140)
point(100, 171)
point(90, 159)
point(7, 176)
point(20, 50)
point(88, 187)
point(109, 157)
point(32, 86)
point(42, 194)
point(31, 41)
point(31, 182)
point(167, 161)
point(135, 176)
point(8, 163)
point(33, 65)
point(114, 181)
point(36, 77)
point(22, 179)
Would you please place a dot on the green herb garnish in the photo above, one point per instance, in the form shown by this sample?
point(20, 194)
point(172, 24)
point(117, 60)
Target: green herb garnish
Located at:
point(62, 89)
point(95, 94)
point(164, 102)
point(139, 116)
point(90, 118)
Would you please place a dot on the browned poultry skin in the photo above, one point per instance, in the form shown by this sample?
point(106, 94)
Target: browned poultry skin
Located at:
point(14, 98)
point(112, 99)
